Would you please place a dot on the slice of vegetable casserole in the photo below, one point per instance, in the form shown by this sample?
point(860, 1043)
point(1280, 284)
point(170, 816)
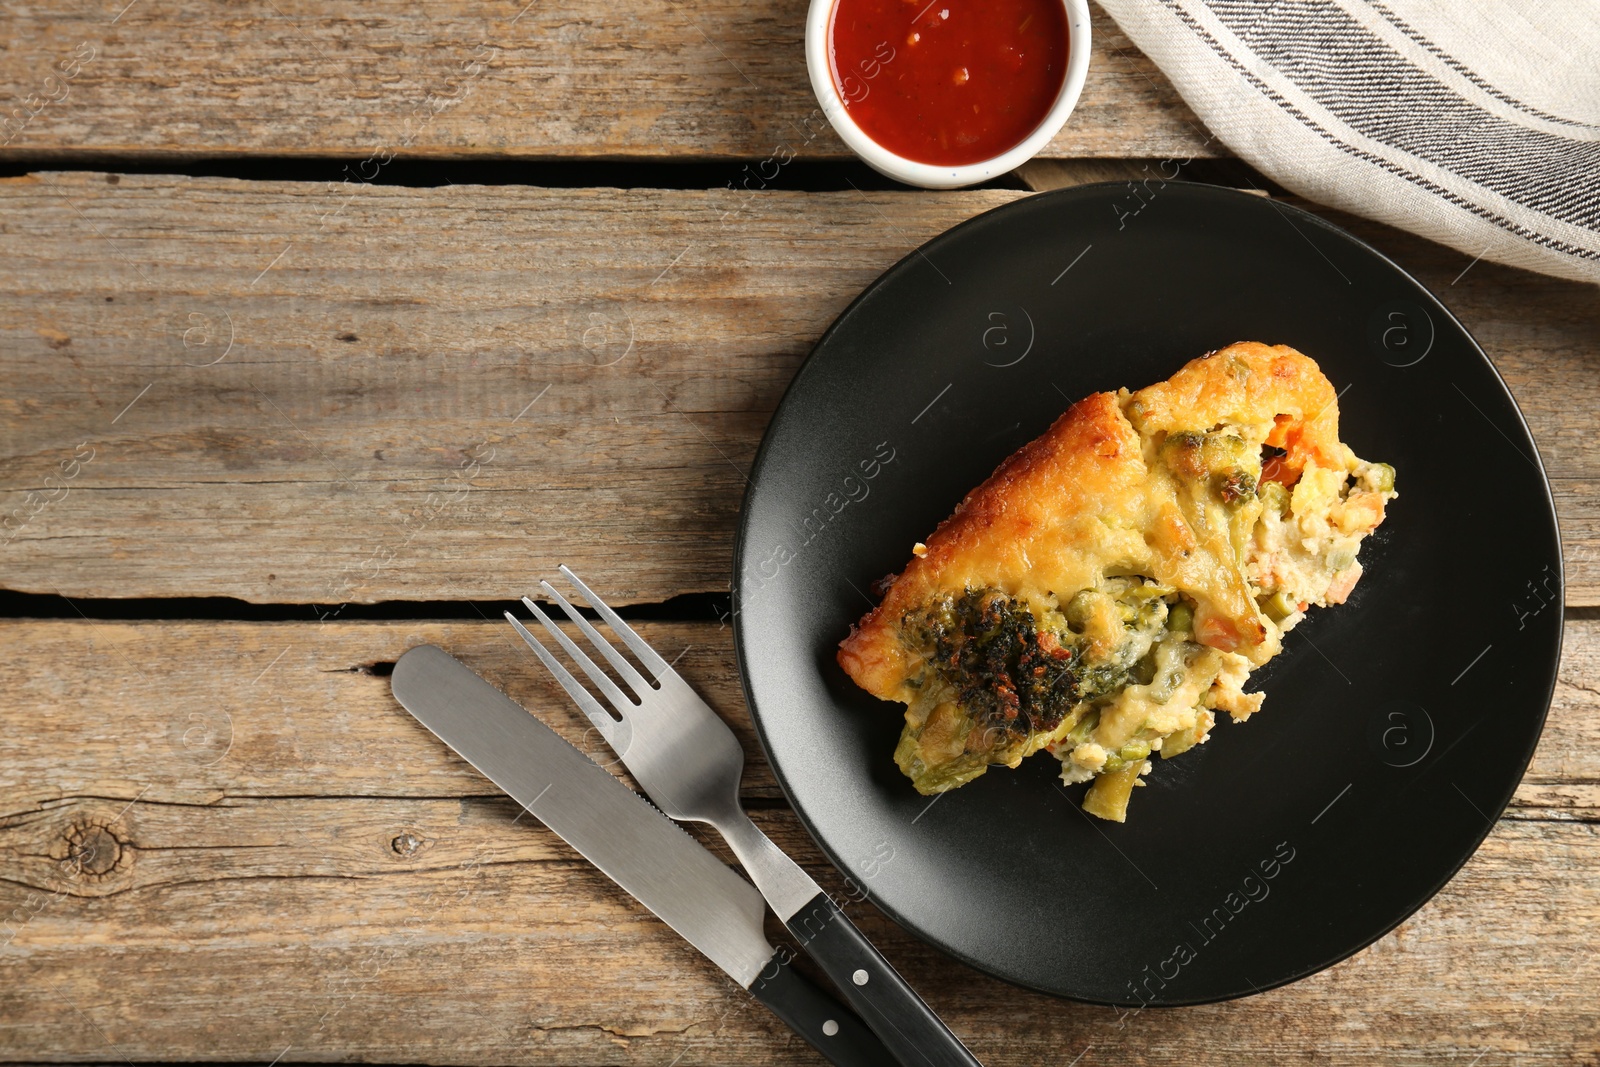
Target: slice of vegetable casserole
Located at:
point(1110, 587)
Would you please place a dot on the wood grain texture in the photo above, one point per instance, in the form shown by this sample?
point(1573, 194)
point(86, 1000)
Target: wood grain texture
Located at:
point(466, 79)
point(220, 710)
point(334, 886)
point(581, 375)
point(226, 841)
point(293, 926)
point(224, 708)
point(425, 394)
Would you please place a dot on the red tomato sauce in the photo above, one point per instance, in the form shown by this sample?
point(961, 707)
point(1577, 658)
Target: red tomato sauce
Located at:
point(952, 81)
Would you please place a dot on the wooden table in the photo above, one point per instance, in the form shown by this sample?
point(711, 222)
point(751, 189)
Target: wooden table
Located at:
point(326, 329)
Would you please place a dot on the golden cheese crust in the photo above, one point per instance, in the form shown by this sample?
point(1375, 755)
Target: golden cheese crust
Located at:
point(1080, 500)
point(1247, 384)
point(1163, 487)
point(1033, 522)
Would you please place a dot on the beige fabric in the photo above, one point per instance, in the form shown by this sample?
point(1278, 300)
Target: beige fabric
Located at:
point(1476, 125)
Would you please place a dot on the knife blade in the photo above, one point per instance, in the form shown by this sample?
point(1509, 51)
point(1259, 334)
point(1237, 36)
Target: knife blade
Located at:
point(632, 843)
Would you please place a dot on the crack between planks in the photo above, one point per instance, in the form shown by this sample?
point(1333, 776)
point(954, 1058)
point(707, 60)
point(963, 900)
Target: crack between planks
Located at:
point(698, 606)
point(1542, 815)
point(640, 172)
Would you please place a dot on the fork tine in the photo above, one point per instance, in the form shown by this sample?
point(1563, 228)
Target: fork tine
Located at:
point(619, 700)
point(647, 655)
point(606, 648)
point(582, 697)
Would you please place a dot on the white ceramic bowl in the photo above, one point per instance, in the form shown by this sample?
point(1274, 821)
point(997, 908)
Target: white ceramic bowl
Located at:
point(928, 175)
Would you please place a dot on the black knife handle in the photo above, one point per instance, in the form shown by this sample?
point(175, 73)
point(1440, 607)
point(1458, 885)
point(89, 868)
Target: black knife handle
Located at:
point(827, 1025)
point(913, 1033)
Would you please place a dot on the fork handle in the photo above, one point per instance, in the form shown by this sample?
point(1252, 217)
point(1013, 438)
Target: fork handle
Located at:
point(909, 1028)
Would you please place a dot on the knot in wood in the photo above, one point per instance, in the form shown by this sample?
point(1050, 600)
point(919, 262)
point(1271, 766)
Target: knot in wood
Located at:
point(94, 851)
point(406, 844)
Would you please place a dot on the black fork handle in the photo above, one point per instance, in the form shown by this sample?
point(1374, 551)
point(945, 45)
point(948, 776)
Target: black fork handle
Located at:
point(914, 1035)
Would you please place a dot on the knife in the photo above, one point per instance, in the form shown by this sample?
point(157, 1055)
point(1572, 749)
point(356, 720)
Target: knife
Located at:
point(632, 843)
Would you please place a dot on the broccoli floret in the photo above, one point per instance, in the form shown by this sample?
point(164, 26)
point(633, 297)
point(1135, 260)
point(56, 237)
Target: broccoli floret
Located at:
point(1010, 678)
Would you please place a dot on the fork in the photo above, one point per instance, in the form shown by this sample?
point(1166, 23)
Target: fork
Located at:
point(688, 761)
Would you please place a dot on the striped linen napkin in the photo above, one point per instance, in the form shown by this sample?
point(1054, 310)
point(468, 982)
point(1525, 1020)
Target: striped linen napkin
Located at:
point(1475, 125)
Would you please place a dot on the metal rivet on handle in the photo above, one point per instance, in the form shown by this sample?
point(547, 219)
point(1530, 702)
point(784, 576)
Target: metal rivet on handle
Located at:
point(859, 978)
point(830, 1028)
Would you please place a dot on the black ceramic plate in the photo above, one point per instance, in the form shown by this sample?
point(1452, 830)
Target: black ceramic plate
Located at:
point(1396, 726)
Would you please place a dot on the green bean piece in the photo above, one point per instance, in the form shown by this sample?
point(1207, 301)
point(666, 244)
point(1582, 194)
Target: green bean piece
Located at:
point(1084, 727)
point(1108, 796)
point(1278, 606)
point(1180, 741)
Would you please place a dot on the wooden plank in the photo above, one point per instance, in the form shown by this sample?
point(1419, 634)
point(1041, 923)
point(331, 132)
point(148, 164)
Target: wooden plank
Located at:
point(590, 384)
point(304, 709)
point(264, 392)
point(1563, 779)
point(470, 79)
point(256, 853)
point(298, 927)
point(264, 709)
